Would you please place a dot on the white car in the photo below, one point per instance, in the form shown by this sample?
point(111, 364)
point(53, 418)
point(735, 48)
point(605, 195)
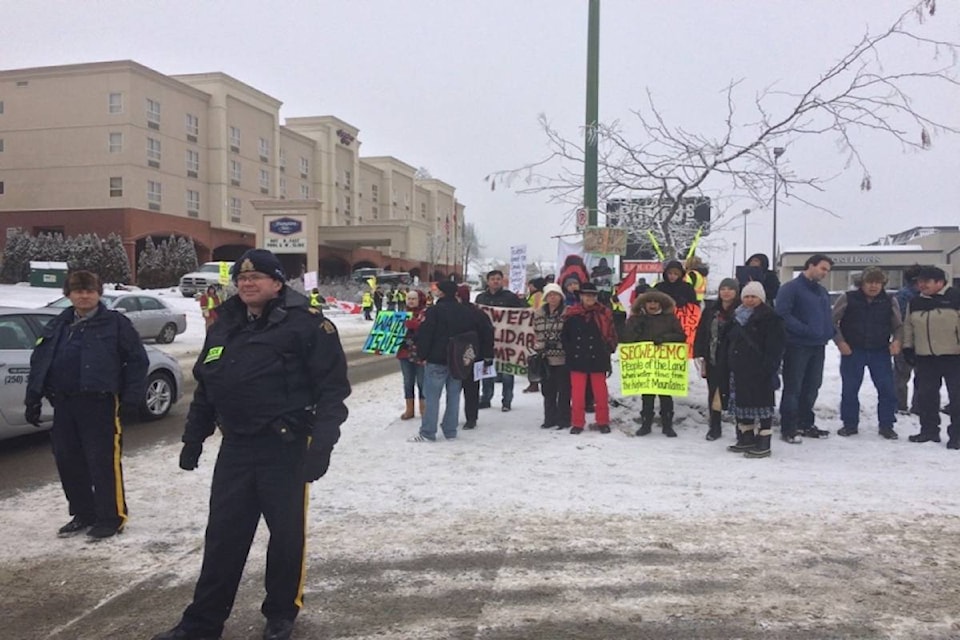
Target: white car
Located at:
point(151, 316)
point(19, 330)
point(197, 281)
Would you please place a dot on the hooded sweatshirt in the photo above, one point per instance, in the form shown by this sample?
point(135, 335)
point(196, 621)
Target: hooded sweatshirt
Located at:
point(681, 291)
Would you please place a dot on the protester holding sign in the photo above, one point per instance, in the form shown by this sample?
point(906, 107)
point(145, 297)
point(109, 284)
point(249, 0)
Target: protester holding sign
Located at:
point(496, 296)
point(652, 319)
point(411, 364)
point(555, 387)
point(756, 344)
point(588, 339)
point(710, 348)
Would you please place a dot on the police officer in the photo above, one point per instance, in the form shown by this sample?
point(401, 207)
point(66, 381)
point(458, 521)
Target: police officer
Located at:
point(272, 373)
point(90, 364)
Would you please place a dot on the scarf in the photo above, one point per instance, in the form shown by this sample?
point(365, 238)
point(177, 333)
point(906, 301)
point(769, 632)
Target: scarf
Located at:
point(742, 315)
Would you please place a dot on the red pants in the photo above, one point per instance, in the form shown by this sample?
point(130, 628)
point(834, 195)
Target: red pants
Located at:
point(578, 392)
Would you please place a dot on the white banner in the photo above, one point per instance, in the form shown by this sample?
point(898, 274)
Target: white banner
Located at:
point(566, 248)
point(518, 269)
point(513, 337)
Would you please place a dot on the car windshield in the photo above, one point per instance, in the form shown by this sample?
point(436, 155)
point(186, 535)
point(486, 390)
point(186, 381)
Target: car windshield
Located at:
point(210, 268)
point(64, 302)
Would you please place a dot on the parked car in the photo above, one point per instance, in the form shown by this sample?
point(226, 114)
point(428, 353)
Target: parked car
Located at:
point(151, 316)
point(197, 281)
point(19, 330)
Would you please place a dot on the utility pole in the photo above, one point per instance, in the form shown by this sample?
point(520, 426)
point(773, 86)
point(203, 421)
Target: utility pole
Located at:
point(590, 130)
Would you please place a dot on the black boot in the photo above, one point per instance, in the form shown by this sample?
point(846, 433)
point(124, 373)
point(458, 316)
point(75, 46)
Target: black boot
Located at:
point(745, 439)
point(646, 423)
point(715, 430)
point(666, 421)
point(761, 447)
point(953, 434)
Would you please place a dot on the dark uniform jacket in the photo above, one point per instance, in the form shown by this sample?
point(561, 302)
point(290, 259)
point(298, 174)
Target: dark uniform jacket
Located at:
point(286, 367)
point(111, 357)
point(445, 319)
point(754, 352)
point(502, 298)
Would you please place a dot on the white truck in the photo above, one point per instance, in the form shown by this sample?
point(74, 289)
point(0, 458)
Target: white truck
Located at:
point(197, 281)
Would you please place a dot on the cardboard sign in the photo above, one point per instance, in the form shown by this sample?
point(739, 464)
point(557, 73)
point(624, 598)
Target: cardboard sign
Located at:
point(653, 369)
point(388, 332)
point(513, 337)
point(689, 317)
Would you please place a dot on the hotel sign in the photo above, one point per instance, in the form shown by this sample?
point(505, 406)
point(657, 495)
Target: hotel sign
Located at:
point(285, 233)
point(857, 259)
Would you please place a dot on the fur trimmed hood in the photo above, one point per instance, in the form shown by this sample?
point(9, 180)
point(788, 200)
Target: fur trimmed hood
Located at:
point(666, 302)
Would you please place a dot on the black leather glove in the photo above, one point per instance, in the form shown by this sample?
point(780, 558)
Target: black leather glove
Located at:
point(909, 356)
point(32, 414)
point(316, 462)
point(129, 413)
point(190, 455)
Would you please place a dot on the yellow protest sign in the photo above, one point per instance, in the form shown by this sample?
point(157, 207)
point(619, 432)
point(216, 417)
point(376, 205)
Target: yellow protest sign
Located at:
point(224, 273)
point(653, 369)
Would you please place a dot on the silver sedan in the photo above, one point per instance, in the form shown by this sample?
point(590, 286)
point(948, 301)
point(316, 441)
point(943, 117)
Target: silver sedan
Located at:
point(19, 330)
point(151, 316)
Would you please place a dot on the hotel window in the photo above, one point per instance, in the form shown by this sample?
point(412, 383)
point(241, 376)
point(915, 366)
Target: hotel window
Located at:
point(264, 150)
point(235, 210)
point(153, 153)
point(347, 205)
point(374, 192)
point(153, 114)
point(283, 159)
point(264, 181)
point(304, 167)
point(193, 163)
point(347, 177)
point(235, 139)
point(235, 173)
point(1, 145)
point(116, 142)
point(116, 187)
point(154, 194)
point(114, 103)
point(304, 191)
point(193, 203)
point(192, 127)
point(283, 187)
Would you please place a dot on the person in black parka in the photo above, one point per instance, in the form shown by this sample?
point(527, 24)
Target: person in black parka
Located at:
point(710, 347)
point(755, 348)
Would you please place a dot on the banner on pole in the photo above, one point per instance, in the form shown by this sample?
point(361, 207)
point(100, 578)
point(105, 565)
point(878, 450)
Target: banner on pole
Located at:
point(518, 269)
point(646, 368)
point(388, 333)
point(605, 240)
point(513, 337)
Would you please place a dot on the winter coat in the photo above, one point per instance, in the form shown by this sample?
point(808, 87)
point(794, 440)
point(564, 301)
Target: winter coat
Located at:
point(761, 274)
point(408, 350)
point(754, 352)
point(659, 328)
point(502, 298)
point(932, 326)
point(681, 291)
point(807, 315)
point(588, 338)
point(445, 319)
point(547, 327)
point(711, 344)
point(485, 330)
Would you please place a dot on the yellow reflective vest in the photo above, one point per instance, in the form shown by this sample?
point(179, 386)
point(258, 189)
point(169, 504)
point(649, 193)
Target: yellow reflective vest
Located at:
point(698, 282)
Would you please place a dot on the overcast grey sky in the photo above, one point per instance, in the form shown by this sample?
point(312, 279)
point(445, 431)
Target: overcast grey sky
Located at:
point(457, 85)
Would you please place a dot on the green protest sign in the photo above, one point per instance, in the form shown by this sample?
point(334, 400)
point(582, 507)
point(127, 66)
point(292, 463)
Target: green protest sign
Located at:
point(388, 332)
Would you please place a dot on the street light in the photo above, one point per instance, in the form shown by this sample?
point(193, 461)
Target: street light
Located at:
point(746, 212)
point(777, 152)
point(733, 259)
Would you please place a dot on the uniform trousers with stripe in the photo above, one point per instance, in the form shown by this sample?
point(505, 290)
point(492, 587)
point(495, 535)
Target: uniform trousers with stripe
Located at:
point(87, 442)
point(255, 475)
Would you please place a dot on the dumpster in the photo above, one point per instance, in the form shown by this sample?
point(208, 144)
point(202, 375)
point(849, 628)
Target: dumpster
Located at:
point(48, 274)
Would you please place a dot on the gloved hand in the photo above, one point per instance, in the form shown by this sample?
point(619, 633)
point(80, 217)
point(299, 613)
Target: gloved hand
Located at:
point(488, 362)
point(129, 413)
point(32, 414)
point(316, 462)
point(910, 356)
point(190, 455)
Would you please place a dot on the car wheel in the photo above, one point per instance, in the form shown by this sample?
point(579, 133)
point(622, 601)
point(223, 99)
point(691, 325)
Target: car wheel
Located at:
point(158, 398)
point(167, 334)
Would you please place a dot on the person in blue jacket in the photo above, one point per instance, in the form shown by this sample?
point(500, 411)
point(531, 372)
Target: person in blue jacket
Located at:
point(807, 316)
point(91, 365)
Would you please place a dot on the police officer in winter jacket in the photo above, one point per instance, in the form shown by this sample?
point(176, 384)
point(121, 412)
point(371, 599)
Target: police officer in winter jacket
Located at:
point(90, 364)
point(273, 375)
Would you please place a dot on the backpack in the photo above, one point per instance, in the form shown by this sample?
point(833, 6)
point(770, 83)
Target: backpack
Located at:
point(462, 351)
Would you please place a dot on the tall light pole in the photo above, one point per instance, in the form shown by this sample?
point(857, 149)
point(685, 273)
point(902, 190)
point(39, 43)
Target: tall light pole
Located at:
point(777, 152)
point(590, 143)
point(746, 212)
point(733, 259)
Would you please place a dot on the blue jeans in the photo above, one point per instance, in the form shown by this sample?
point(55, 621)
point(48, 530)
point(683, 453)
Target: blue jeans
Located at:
point(802, 376)
point(487, 384)
point(436, 377)
point(412, 373)
point(881, 372)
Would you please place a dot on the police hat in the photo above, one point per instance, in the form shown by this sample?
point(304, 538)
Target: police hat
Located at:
point(258, 260)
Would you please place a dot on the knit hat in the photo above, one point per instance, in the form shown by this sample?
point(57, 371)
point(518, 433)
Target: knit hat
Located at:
point(754, 289)
point(259, 260)
point(448, 287)
point(552, 288)
point(463, 292)
point(729, 283)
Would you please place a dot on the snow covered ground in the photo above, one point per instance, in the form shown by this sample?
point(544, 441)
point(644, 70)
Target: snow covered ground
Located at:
point(515, 532)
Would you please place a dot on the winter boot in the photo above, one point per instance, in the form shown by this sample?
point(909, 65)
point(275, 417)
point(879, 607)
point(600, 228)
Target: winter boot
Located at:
point(715, 430)
point(646, 424)
point(953, 433)
point(408, 414)
point(761, 448)
point(746, 439)
point(666, 422)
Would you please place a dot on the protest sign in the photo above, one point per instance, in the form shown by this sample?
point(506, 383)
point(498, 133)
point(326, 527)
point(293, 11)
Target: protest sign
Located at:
point(518, 269)
point(689, 317)
point(513, 337)
point(388, 332)
point(653, 369)
point(481, 371)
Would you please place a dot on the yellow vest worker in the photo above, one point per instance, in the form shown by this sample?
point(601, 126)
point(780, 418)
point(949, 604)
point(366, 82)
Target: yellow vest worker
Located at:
point(367, 301)
point(315, 300)
point(698, 282)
